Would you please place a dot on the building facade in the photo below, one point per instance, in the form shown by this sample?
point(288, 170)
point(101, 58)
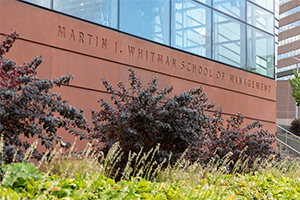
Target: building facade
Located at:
point(288, 59)
point(228, 47)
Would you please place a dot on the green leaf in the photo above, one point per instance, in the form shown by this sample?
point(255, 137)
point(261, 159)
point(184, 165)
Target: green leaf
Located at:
point(143, 185)
point(9, 194)
point(295, 83)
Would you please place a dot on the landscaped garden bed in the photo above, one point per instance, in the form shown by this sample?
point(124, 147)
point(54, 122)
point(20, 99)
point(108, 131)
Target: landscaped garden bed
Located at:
point(271, 181)
point(147, 143)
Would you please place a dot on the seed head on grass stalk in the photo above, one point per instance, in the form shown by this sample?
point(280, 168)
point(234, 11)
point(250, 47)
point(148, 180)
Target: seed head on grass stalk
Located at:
point(48, 165)
point(67, 165)
point(127, 171)
point(151, 163)
point(155, 173)
point(137, 162)
point(29, 152)
point(112, 158)
point(142, 165)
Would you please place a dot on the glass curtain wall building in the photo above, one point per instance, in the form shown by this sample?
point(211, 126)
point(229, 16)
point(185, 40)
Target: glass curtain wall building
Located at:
point(240, 33)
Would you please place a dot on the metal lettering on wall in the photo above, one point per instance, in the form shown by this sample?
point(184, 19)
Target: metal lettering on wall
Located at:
point(151, 56)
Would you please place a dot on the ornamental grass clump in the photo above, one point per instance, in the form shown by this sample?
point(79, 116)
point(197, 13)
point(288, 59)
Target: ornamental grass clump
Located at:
point(269, 180)
point(67, 163)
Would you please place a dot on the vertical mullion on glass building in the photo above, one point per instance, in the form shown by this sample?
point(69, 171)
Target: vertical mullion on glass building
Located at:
point(239, 33)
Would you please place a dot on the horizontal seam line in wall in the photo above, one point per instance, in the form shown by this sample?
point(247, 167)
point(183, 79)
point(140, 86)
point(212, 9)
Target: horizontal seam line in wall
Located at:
point(83, 88)
point(60, 48)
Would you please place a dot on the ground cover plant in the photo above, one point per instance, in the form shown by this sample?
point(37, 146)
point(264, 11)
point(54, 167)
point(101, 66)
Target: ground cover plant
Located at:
point(271, 180)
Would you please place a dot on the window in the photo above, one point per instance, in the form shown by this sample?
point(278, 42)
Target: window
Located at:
point(260, 18)
point(289, 12)
point(289, 26)
point(229, 44)
point(267, 4)
point(208, 2)
point(289, 54)
point(260, 50)
point(149, 19)
point(289, 40)
point(281, 2)
point(102, 12)
point(191, 27)
point(290, 67)
point(235, 8)
point(44, 3)
point(285, 78)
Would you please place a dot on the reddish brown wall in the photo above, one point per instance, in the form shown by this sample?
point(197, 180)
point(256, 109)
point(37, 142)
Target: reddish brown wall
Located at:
point(84, 55)
point(285, 103)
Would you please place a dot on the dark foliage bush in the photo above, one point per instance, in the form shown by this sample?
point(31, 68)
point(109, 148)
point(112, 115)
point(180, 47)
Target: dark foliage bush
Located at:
point(29, 108)
point(295, 127)
point(146, 117)
point(249, 142)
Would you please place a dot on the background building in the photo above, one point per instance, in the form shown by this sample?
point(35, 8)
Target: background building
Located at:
point(227, 46)
point(288, 58)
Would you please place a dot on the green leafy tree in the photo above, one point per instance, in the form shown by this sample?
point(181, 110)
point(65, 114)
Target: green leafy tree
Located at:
point(295, 83)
